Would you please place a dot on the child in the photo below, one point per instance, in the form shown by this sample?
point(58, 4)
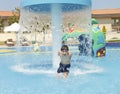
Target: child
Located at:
point(65, 56)
point(36, 47)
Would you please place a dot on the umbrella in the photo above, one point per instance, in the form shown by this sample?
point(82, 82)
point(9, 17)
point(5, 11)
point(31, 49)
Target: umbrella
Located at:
point(15, 27)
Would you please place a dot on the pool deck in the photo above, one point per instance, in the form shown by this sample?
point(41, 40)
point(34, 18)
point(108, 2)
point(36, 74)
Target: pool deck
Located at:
point(112, 36)
point(4, 36)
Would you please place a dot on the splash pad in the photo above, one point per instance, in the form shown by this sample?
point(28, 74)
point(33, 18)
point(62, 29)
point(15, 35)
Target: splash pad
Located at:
point(55, 22)
point(29, 73)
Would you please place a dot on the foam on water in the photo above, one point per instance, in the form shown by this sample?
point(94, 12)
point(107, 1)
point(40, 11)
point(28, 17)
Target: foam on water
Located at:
point(23, 68)
point(85, 69)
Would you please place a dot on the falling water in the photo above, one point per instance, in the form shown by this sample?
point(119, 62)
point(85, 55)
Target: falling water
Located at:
point(56, 32)
point(60, 18)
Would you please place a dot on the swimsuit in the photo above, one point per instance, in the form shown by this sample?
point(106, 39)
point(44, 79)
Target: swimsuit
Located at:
point(64, 64)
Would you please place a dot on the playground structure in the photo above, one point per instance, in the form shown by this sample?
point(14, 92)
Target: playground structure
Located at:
point(95, 40)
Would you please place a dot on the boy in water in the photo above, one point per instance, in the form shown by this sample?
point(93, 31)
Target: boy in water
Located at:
point(65, 56)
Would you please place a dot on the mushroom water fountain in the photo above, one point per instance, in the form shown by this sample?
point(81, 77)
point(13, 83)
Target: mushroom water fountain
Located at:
point(56, 21)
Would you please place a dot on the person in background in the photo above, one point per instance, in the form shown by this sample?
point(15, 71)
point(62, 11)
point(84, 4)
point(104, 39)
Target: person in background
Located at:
point(36, 47)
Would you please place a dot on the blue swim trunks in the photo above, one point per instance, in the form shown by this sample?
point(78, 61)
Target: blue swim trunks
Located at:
point(63, 68)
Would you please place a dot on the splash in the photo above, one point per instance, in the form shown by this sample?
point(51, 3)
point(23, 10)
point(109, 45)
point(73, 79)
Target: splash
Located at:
point(38, 69)
point(87, 69)
point(26, 69)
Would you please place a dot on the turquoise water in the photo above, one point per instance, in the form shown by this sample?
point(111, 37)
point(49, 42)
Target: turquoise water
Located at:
point(27, 73)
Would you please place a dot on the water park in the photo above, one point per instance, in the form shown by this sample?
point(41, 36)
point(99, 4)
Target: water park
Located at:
point(32, 69)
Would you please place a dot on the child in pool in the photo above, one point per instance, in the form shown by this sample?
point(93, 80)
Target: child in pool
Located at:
point(36, 47)
point(65, 56)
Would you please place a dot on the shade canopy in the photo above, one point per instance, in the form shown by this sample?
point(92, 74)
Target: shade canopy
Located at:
point(36, 2)
point(15, 27)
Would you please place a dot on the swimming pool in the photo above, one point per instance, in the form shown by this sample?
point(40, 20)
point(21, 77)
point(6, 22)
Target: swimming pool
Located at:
point(24, 73)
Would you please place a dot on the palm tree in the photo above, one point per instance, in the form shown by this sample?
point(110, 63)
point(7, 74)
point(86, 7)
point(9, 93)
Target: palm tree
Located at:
point(44, 30)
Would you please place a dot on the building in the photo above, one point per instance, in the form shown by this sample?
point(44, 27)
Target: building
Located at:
point(4, 19)
point(110, 18)
point(4, 16)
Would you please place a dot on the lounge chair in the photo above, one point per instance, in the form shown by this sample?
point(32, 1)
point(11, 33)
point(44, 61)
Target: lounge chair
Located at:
point(9, 42)
point(24, 41)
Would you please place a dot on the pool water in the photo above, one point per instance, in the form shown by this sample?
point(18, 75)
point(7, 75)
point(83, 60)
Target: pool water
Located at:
point(25, 73)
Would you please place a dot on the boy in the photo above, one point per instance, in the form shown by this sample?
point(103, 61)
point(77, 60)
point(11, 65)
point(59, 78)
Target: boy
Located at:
point(65, 56)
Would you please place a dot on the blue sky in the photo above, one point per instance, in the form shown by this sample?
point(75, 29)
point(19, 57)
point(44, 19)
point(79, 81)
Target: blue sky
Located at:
point(96, 4)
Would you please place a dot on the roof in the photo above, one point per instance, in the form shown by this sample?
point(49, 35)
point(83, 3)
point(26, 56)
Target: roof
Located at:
point(106, 13)
point(6, 13)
